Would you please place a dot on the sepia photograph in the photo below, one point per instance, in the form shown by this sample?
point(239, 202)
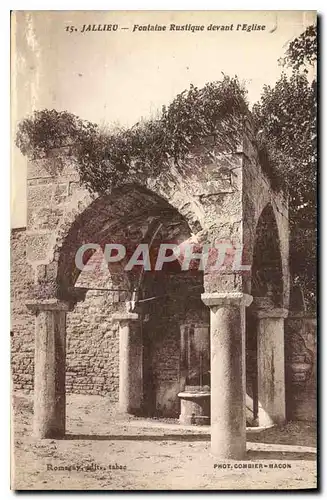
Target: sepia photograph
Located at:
point(163, 250)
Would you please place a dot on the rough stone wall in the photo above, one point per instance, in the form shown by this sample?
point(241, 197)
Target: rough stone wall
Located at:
point(301, 367)
point(22, 322)
point(166, 359)
point(92, 357)
point(92, 338)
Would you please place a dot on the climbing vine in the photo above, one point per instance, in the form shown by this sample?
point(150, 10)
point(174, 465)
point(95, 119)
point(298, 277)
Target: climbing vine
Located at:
point(104, 159)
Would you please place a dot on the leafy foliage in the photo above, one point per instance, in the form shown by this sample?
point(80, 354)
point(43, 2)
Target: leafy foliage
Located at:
point(48, 129)
point(286, 122)
point(302, 51)
point(105, 158)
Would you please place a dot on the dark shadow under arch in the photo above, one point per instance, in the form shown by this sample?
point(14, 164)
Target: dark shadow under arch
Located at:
point(108, 219)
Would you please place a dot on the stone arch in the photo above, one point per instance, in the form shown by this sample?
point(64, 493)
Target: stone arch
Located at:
point(134, 212)
point(96, 220)
point(266, 269)
point(92, 219)
point(168, 190)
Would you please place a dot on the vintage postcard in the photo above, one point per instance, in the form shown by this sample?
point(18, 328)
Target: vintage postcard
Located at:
point(163, 250)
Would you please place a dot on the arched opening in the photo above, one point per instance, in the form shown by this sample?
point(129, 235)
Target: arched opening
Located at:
point(178, 322)
point(267, 292)
point(267, 276)
point(168, 302)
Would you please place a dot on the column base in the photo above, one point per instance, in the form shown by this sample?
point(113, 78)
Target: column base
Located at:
point(228, 447)
point(48, 433)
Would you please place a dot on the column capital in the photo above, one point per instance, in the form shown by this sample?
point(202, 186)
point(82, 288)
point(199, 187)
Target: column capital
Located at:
point(226, 299)
point(36, 305)
point(271, 313)
point(126, 317)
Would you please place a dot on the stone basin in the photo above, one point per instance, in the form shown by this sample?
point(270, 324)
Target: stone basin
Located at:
point(195, 406)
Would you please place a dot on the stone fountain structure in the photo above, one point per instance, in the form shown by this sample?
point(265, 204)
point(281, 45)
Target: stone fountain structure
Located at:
point(195, 369)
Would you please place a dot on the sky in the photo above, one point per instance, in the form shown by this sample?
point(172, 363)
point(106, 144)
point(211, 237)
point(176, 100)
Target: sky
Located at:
point(111, 77)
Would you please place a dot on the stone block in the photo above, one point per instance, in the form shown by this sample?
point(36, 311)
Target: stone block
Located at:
point(38, 246)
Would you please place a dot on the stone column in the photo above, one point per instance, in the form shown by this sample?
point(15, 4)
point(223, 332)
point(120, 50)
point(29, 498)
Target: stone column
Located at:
point(227, 334)
point(130, 362)
point(271, 368)
point(49, 368)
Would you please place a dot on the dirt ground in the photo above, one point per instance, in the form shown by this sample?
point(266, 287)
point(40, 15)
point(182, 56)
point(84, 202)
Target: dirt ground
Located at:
point(104, 452)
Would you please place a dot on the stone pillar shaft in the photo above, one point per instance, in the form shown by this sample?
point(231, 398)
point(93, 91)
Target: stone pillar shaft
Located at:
point(271, 369)
point(49, 368)
point(130, 362)
point(227, 329)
